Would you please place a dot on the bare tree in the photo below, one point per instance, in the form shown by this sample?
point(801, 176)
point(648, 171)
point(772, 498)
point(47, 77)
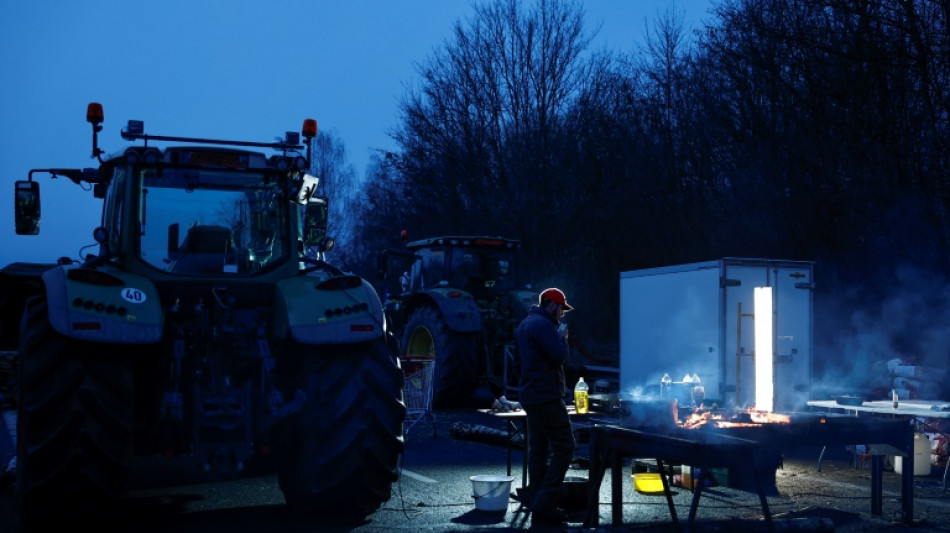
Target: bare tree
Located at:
point(339, 184)
point(812, 129)
point(478, 132)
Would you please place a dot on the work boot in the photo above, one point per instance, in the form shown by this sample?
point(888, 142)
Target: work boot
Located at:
point(555, 516)
point(526, 496)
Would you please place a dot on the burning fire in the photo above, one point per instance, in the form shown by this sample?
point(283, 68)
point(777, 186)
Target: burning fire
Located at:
point(747, 418)
point(698, 419)
point(765, 417)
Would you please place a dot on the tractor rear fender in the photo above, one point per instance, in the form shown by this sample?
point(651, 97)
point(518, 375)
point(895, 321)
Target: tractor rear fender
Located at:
point(458, 307)
point(103, 304)
point(18, 282)
point(319, 309)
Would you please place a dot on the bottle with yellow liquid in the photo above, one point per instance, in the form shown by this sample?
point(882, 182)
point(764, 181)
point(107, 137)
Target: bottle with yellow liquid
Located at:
point(581, 398)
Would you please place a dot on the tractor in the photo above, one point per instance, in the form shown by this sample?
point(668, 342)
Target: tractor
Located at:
point(207, 325)
point(456, 300)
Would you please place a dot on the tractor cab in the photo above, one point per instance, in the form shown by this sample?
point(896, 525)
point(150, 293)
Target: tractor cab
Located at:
point(198, 207)
point(478, 265)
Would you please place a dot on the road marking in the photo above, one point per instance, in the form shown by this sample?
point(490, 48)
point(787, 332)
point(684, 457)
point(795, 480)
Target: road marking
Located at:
point(420, 477)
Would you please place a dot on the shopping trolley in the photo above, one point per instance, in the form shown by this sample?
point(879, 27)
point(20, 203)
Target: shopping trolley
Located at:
point(417, 393)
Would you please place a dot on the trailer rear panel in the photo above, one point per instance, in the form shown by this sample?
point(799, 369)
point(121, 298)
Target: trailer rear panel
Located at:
point(698, 319)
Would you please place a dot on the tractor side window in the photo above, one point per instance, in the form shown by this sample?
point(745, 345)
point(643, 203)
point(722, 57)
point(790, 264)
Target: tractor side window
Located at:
point(115, 203)
point(433, 268)
point(416, 282)
point(466, 269)
point(502, 268)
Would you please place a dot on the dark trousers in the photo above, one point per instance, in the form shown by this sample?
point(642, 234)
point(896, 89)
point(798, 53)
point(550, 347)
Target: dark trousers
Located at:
point(550, 451)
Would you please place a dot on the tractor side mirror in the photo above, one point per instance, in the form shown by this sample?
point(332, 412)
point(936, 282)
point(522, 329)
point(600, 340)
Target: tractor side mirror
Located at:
point(27, 207)
point(308, 188)
point(316, 218)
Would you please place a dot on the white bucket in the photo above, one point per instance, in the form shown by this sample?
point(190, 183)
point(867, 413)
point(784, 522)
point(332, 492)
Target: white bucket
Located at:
point(921, 456)
point(491, 492)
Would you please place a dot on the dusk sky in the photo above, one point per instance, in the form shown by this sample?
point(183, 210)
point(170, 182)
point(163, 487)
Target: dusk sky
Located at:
point(229, 69)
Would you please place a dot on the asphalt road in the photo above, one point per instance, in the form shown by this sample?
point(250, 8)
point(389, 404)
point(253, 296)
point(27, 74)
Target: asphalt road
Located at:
point(434, 494)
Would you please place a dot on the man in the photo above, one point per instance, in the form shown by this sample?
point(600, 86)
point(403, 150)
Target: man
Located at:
point(543, 349)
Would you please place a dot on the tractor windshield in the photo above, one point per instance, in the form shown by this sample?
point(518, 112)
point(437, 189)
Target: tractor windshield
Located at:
point(482, 269)
point(203, 222)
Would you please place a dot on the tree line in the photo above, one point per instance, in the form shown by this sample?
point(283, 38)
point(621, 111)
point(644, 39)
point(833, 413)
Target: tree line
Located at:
point(786, 129)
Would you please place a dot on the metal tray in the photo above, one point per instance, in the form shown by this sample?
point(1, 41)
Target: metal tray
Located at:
point(849, 399)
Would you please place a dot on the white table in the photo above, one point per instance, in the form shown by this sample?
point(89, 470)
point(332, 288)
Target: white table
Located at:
point(910, 409)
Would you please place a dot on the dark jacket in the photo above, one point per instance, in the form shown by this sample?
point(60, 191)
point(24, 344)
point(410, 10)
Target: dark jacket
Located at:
point(542, 352)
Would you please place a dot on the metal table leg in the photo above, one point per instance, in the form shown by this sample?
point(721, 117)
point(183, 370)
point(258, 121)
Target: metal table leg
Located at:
point(762, 499)
point(524, 456)
point(511, 429)
point(666, 490)
point(877, 469)
point(616, 488)
point(946, 469)
point(907, 485)
point(596, 477)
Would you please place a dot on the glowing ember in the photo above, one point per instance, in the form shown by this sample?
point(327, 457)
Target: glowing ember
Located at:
point(723, 424)
point(698, 418)
point(766, 417)
point(747, 418)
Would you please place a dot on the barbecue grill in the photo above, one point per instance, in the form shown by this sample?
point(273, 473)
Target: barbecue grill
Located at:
point(748, 446)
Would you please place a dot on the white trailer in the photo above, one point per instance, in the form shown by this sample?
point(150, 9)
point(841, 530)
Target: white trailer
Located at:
point(699, 318)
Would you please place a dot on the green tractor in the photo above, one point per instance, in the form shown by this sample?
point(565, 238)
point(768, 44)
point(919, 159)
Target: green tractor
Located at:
point(457, 300)
point(209, 324)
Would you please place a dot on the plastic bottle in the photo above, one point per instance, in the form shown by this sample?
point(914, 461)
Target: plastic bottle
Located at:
point(699, 392)
point(665, 383)
point(580, 397)
point(686, 392)
point(894, 397)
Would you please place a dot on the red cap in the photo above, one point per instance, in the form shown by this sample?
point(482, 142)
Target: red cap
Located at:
point(556, 296)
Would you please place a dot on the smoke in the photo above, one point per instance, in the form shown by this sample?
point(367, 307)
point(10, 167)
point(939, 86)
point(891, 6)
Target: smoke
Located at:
point(868, 338)
point(676, 335)
point(863, 333)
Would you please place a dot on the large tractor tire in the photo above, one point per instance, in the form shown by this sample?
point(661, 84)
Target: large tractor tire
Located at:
point(340, 454)
point(455, 354)
point(74, 426)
